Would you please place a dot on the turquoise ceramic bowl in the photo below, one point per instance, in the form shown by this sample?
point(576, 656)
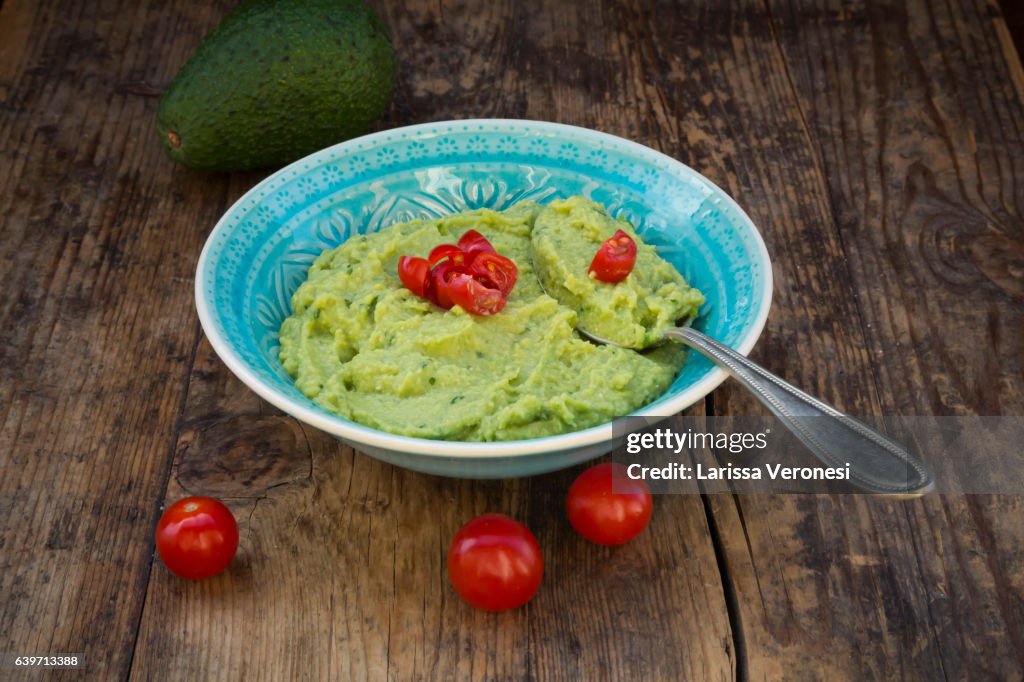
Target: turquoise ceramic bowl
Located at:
point(258, 254)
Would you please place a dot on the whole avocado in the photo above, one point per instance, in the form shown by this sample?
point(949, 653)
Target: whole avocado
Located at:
point(276, 80)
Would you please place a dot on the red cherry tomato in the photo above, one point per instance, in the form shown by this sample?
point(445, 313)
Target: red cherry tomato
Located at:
point(470, 295)
point(603, 516)
point(494, 271)
point(615, 259)
point(473, 243)
point(414, 273)
point(494, 563)
point(196, 537)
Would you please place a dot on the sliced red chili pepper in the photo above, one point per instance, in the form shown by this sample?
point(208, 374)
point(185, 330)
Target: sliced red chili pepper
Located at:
point(472, 296)
point(414, 273)
point(495, 271)
point(439, 278)
point(472, 243)
point(470, 274)
point(452, 253)
point(615, 259)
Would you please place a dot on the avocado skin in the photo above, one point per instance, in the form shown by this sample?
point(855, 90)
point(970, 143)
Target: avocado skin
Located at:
point(276, 80)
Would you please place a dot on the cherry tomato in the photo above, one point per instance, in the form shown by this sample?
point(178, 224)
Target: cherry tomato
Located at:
point(615, 259)
point(494, 271)
point(414, 273)
point(454, 254)
point(603, 516)
point(470, 295)
point(494, 563)
point(196, 537)
point(473, 243)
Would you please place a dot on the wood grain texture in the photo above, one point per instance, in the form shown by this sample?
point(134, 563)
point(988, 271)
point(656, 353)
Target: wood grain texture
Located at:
point(341, 572)
point(99, 240)
point(877, 145)
point(912, 113)
point(806, 604)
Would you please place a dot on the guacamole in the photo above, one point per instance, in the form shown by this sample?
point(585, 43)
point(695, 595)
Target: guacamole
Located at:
point(634, 312)
point(363, 346)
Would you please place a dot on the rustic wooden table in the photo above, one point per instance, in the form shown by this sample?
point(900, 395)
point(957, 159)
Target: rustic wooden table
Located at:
point(878, 145)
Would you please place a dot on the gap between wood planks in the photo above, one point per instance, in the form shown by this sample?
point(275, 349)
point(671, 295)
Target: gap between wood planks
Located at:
point(1013, 14)
point(732, 607)
point(742, 671)
point(172, 445)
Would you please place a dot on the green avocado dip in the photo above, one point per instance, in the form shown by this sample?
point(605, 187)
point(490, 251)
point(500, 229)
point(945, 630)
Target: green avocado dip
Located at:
point(363, 346)
point(633, 313)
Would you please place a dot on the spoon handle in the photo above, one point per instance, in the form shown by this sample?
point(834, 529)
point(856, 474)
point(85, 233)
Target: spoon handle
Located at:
point(877, 464)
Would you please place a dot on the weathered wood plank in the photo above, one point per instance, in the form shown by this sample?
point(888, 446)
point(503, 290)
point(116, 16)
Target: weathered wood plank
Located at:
point(341, 569)
point(98, 241)
point(912, 114)
point(727, 86)
point(877, 146)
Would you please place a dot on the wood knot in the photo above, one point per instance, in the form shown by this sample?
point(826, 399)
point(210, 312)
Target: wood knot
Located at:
point(243, 457)
point(1001, 259)
point(964, 247)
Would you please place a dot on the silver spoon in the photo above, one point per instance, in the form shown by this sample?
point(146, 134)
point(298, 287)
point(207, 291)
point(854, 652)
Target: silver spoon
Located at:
point(877, 464)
